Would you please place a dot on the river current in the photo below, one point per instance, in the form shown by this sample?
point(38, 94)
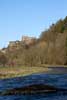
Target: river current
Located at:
point(56, 80)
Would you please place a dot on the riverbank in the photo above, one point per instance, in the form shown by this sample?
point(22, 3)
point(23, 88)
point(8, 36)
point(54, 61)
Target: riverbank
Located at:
point(9, 72)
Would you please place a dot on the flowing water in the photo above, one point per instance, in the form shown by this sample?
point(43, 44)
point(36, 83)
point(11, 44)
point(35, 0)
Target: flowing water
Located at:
point(56, 80)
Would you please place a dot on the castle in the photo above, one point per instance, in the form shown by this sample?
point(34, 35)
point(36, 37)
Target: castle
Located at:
point(24, 41)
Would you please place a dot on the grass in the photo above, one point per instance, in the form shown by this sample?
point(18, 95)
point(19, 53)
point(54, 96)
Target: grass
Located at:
point(9, 72)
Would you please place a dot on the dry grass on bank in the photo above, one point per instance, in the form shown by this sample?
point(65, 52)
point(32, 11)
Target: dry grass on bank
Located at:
point(8, 72)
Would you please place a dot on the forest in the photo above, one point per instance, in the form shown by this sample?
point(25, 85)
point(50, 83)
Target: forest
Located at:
point(50, 48)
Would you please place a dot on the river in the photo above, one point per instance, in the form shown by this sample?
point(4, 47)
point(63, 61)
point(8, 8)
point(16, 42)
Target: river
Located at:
point(56, 80)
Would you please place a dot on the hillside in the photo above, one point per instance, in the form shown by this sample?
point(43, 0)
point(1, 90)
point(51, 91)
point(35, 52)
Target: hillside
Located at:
point(49, 48)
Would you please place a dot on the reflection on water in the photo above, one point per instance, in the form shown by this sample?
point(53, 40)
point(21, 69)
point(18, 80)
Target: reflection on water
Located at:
point(57, 80)
point(35, 97)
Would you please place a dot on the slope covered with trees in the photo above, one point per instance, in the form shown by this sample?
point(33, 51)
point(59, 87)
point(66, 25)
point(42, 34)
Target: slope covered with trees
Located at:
point(49, 48)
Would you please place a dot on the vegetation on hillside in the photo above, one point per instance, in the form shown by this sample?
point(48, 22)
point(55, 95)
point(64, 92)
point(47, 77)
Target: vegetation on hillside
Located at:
point(49, 48)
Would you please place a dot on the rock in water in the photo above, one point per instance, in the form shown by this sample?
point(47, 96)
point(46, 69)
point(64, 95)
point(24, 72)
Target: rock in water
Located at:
point(32, 89)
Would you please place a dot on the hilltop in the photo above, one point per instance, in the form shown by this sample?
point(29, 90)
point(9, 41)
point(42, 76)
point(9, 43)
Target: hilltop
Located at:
point(49, 48)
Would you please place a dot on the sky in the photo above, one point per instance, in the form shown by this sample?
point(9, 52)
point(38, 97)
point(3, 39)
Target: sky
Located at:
point(28, 18)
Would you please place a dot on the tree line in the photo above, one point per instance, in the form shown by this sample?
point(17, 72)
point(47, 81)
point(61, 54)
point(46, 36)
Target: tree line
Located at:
point(50, 48)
